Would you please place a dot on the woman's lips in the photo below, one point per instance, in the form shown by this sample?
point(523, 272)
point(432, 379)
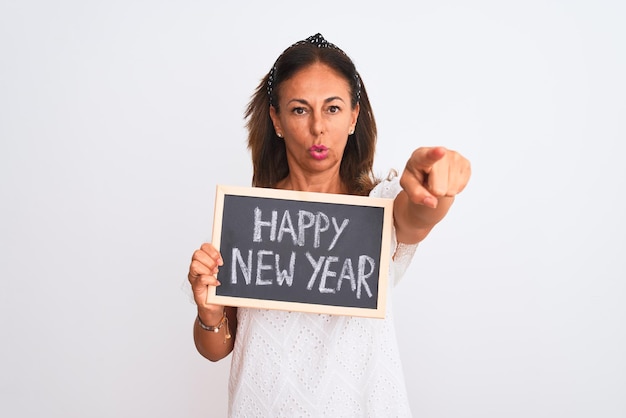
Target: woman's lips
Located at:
point(319, 152)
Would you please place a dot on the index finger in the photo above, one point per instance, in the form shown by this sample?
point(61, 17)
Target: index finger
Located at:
point(425, 158)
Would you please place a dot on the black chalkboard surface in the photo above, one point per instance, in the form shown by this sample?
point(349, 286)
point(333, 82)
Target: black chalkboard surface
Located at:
point(302, 251)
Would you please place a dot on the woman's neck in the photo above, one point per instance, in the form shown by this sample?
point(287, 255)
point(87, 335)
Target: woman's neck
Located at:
point(320, 184)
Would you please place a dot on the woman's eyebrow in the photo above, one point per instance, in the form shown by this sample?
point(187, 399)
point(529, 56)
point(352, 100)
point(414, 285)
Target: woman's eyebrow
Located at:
point(305, 102)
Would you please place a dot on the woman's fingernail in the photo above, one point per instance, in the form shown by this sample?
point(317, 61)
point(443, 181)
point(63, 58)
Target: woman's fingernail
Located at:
point(430, 201)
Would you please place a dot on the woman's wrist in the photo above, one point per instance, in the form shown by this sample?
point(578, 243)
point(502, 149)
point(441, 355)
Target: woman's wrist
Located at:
point(213, 328)
point(222, 324)
point(210, 317)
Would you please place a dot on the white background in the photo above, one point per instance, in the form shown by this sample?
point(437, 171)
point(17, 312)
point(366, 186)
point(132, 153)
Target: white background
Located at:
point(118, 118)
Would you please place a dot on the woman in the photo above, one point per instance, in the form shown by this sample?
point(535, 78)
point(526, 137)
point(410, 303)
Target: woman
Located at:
point(311, 128)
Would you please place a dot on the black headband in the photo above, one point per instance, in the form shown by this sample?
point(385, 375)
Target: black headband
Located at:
point(319, 41)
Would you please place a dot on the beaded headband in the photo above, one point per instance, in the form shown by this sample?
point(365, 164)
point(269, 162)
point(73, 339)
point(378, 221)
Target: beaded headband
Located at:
point(319, 41)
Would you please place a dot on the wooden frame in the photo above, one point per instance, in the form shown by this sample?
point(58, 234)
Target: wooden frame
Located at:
point(230, 197)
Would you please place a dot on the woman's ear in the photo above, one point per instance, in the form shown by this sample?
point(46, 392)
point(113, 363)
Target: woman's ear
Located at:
point(355, 116)
point(276, 121)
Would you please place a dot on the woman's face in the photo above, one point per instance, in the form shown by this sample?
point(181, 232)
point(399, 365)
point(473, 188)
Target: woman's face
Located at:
point(315, 119)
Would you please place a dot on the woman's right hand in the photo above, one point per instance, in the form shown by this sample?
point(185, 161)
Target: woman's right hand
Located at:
point(205, 263)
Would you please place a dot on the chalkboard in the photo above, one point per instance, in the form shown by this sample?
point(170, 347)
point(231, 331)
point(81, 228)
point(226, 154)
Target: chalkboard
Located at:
point(302, 251)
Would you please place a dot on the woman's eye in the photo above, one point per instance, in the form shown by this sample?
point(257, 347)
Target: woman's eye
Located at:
point(298, 110)
point(333, 109)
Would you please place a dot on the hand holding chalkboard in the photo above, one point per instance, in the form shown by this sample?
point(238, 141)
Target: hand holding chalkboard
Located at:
point(203, 271)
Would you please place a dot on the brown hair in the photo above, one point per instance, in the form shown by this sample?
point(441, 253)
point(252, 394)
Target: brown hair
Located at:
point(269, 157)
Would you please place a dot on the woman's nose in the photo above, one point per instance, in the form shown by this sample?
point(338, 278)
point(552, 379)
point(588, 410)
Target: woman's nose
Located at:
point(317, 123)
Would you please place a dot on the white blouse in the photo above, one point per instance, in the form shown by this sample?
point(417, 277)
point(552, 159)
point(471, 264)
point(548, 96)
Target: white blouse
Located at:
point(293, 364)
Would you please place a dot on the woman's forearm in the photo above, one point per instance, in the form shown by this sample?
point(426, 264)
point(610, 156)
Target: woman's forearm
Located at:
point(215, 344)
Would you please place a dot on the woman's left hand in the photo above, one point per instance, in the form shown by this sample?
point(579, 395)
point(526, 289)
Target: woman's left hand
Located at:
point(434, 172)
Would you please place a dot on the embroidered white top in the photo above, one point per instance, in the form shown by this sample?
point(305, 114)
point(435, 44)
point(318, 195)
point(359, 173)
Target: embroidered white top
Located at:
point(292, 364)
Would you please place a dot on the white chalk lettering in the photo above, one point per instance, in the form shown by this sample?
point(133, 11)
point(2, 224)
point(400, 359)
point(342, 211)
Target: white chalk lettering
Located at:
point(303, 225)
point(327, 273)
point(246, 269)
point(347, 273)
point(317, 266)
point(359, 283)
point(319, 228)
point(339, 230)
point(319, 222)
point(282, 275)
point(258, 223)
point(260, 267)
point(364, 276)
point(287, 226)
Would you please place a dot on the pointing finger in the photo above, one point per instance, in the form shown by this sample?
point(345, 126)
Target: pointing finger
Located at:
point(425, 158)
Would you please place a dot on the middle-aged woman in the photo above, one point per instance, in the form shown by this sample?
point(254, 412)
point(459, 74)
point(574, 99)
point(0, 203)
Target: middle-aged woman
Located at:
point(311, 128)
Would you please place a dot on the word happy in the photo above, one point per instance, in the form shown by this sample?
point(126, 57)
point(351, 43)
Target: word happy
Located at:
point(303, 231)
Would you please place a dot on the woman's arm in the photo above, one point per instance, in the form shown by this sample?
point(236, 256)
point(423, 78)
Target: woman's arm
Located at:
point(215, 345)
point(211, 343)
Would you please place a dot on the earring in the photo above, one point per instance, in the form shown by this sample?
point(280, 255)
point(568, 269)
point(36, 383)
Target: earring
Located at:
point(278, 134)
point(351, 132)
